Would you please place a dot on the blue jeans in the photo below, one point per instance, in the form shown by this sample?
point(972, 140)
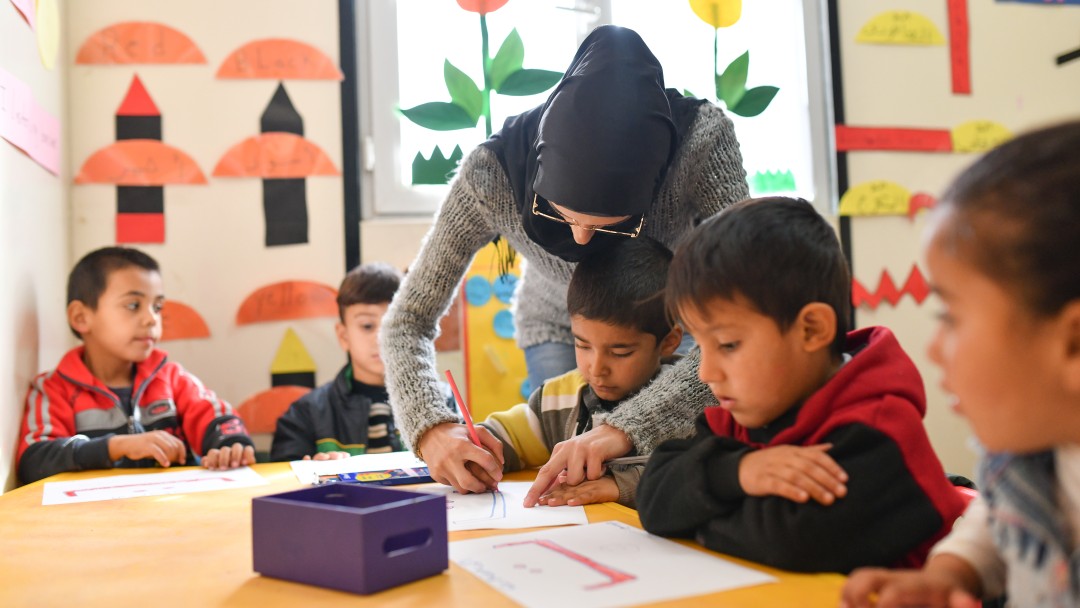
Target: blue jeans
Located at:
point(547, 360)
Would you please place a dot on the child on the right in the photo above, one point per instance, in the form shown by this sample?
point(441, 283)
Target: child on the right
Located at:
point(816, 458)
point(1002, 257)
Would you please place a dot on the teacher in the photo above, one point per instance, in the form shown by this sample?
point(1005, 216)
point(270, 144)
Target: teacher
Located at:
point(610, 155)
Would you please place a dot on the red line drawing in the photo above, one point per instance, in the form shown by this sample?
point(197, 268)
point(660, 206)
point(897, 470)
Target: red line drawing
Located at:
point(615, 577)
point(959, 47)
point(915, 285)
point(892, 138)
point(144, 484)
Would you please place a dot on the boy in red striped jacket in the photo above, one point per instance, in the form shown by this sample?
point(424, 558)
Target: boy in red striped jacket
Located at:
point(116, 401)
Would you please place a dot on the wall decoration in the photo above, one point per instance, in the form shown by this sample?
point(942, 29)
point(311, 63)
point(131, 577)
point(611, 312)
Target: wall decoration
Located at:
point(730, 85)
point(133, 42)
point(261, 410)
point(283, 159)
point(770, 182)
point(288, 300)
point(915, 285)
point(293, 364)
point(26, 9)
point(900, 27)
point(959, 46)
point(47, 28)
point(883, 197)
point(279, 59)
point(180, 321)
point(139, 164)
point(438, 169)
point(26, 125)
point(495, 371)
point(892, 138)
point(504, 74)
point(979, 136)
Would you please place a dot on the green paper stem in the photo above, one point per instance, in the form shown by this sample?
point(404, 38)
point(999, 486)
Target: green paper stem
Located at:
point(486, 107)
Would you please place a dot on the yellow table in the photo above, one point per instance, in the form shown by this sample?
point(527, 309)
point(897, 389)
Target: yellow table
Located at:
point(195, 550)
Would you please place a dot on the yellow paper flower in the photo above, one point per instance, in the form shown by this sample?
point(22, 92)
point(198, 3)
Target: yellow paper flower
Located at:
point(717, 13)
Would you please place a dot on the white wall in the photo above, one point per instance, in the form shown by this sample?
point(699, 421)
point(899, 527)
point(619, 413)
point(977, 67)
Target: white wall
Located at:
point(33, 244)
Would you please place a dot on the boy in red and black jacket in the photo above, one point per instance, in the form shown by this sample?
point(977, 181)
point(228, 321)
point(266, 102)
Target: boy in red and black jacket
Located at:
point(816, 458)
point(116, 401)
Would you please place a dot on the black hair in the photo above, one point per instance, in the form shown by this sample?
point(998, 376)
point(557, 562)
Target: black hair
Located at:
point(623, 285)
point(90, 276)
point(1015, 216)
point(371, 283)
point(776, 252)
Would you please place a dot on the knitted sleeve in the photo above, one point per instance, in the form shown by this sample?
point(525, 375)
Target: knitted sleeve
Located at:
point(712, 163)
point(461, 228)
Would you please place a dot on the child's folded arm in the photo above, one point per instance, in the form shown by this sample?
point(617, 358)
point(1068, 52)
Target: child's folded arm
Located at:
point(884, 515)
point(293, 434)
point(62, 454)
point(688, 482)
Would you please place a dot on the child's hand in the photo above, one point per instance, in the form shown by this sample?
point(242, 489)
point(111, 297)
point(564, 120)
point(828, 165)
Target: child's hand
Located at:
point(586, 493)
point(163, 447)
point(229, 457)
point(328, 456)
point(797, 473)
point(879, 588)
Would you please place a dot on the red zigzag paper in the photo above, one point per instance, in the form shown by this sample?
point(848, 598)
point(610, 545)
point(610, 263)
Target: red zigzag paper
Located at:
point(915, 285)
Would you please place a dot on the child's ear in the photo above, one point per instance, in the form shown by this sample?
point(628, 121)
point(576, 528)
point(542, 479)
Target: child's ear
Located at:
point(671, 341)
point(342, 337)
point(1070, 332)
point(78, 315)
point(816, 325)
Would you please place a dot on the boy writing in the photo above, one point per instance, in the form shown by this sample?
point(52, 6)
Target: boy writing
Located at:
point(816, 458)
point(621, 332)
point(117, 401)
point(350, 415)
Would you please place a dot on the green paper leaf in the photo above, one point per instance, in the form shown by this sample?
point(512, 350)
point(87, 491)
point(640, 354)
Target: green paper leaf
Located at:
point(438, 169)
point(755, 101)
point(529, 82)
point(687, 93)
point(463, 91)
point(440, 116)
point(508, 60)
point(731, 85)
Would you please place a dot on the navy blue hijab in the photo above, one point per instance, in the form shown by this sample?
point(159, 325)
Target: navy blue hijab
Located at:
point(601, 144)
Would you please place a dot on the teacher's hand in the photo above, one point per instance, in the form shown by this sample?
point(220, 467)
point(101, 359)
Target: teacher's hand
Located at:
point(454, 460)
point(581, 457)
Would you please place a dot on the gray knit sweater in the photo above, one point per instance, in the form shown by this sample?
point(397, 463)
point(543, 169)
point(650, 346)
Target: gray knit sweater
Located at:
point(706, 175)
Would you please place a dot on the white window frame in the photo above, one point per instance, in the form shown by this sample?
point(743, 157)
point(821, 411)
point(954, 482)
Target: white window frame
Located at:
point(380, 155)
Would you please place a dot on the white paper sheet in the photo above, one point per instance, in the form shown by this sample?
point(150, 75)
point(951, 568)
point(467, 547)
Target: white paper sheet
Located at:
point(500, 510)
point(603, 564)
point(152, 484)
point(308, 471)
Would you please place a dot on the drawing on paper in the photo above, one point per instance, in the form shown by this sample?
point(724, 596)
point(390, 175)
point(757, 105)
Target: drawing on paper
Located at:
point(613, 575)
point(495, 508)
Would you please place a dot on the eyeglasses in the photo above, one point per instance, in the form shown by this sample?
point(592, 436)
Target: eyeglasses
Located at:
point(566, 220)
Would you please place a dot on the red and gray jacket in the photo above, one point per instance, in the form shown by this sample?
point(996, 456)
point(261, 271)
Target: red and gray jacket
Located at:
point(70, 416)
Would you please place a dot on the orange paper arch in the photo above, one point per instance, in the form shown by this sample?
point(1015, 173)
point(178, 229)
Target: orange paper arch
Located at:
point(279, 59)
point(140, 162)
point(275, 155)
point(261, 410)
point(288, 300)
point(138, 42)
point(180, 321)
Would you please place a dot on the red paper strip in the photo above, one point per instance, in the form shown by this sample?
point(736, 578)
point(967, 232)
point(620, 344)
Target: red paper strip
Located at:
point(140, 162)
point(915, 286)
point(279, 59)
point(180, 321)
point(288, 300)
point(275, 155)
point(138, 42)
point(960, 47)
point(140, 228)
point(888, 138)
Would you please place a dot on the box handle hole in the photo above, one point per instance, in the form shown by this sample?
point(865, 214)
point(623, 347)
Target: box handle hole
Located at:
point(408, 542)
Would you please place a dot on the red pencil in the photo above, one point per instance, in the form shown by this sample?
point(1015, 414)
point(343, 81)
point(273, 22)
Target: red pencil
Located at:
point(464, 410)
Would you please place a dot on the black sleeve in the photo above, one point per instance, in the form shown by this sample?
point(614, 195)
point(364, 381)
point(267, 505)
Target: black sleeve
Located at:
point(225, 431)
point(884, 515)
point(688, 482)
point(294, 436)
point(47, 458)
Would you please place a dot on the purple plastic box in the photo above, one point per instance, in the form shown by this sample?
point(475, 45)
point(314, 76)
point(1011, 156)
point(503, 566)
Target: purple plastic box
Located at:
point(354, 538)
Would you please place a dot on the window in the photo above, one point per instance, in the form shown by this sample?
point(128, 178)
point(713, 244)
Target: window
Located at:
point(785, 149)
